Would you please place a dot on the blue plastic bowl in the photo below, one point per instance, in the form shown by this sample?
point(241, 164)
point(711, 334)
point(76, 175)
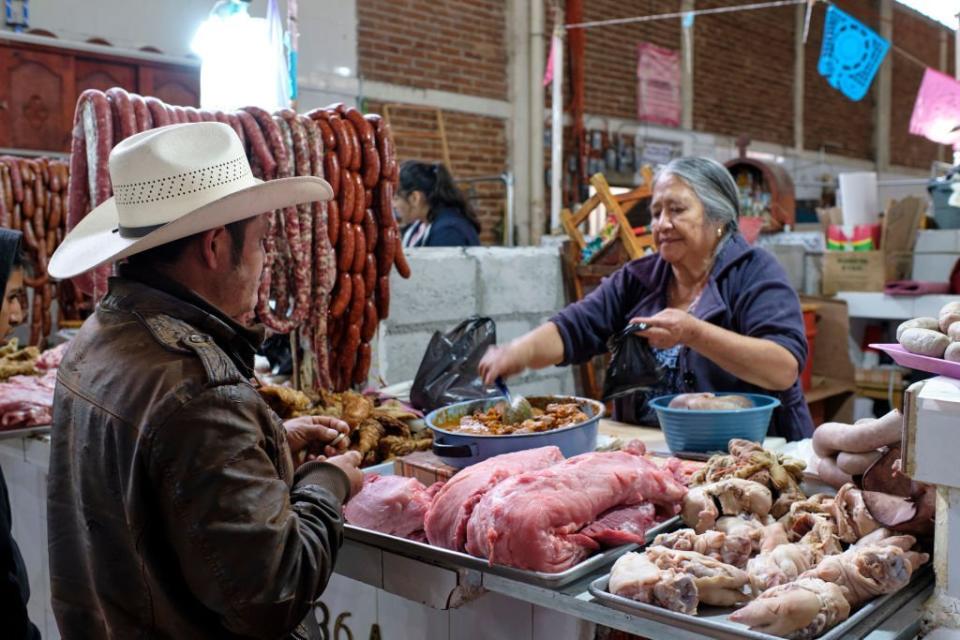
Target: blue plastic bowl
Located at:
point(709, 430)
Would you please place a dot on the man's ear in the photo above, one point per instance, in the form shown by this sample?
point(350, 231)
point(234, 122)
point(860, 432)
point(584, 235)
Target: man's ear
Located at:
point(215, 248)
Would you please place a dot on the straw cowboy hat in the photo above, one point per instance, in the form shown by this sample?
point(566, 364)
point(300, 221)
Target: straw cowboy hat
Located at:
point(170, 183)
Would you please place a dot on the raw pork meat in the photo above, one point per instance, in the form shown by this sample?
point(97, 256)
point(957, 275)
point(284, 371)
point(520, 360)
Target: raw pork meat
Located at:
point(390, 504)
point(50, 359)
point(27, 401)
point(533, 520)
point(446, 521)
point(622, 525)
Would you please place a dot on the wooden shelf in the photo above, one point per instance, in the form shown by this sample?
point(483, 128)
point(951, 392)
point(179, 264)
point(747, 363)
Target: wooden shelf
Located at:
point(825, 388)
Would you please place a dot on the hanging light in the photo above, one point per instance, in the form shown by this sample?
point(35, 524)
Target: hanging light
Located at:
point(239, 62)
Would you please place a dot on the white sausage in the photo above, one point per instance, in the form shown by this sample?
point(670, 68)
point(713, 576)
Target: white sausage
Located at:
point(949, 314)
point(925, 342)
point(918, 323)
point(830, 473)
point(856, 463)
point(831, 437)
point(952, 354)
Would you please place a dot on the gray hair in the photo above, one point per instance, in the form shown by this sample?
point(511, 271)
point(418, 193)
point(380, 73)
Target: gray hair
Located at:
point(712, 184)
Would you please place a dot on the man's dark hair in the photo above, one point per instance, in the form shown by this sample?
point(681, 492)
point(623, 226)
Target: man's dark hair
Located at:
point(167, 254)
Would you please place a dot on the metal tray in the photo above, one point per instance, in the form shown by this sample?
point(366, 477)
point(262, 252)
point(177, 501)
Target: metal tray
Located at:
point(714, 623)
point(13, 434)
point(458, 560)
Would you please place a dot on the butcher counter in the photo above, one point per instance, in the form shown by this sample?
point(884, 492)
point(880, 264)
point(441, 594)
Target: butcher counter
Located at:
point(381, 591)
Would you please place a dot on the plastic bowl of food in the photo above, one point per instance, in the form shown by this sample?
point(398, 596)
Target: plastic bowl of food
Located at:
point(709, 430)
point(462, 447)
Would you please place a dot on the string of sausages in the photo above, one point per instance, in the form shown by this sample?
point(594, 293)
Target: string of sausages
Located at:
point(361, 165)
point(32, 199)
point(327, 267)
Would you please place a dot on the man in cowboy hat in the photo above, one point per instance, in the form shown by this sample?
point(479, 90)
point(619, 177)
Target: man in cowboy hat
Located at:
point(174, 506)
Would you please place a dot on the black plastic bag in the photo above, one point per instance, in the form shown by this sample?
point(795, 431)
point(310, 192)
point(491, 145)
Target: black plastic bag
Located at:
point(448, 372)
point(633, 367)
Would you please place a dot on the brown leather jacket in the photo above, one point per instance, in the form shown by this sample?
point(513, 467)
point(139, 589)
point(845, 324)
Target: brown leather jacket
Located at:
point(173, 506)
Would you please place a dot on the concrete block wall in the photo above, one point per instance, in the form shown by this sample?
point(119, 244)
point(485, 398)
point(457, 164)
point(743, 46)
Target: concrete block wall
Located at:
point(519, 288)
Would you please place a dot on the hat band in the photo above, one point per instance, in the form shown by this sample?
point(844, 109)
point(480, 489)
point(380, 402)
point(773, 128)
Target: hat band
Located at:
point(137, 232)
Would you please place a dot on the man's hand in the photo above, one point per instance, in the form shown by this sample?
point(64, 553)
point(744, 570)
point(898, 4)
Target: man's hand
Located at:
point(349, 463)
point(312, 436)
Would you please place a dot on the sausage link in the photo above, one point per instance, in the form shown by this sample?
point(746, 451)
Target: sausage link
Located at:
point(122, 107)
point(362, 368)
point(28, 204)
point(193, 115)
point(39, 194)
point(356, 155)
point(331, 169)
point(347, 197)
point(333, 222)
point(258, 144)
point(360, 204)
point(329, 138)
point(55, 184)
point(271, 132)
point(348, 357)
point(370, 321)
point(56, 211)
point(359, 250)
point(345, 248)
point(383, 297)
point(387, 250)
point(370, 230)
point(342, 295)
point(361, 126)
point(7, 188)
point(158, 111)
point(371, 166)
point(16, 178)
point(343, 147)
point(358, 300)
point(370, 273)
point(385, 204)
point(141, 113)
point(403, 267)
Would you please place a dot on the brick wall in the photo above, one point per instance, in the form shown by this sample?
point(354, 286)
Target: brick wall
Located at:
point(831, 121)
point(448, 45)
point(743, 73)
point(478, 147)
point(611, 52)
point(919, 38)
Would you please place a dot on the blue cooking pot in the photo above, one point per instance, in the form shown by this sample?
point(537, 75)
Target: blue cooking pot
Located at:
point(463, 449)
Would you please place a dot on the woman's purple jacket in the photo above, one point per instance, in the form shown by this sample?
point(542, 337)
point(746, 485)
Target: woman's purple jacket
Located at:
point(747, 292)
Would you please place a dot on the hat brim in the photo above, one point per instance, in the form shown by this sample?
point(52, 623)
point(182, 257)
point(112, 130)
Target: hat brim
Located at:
point(96, 239)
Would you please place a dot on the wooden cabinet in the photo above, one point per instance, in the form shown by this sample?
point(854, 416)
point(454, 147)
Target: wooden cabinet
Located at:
point(102, 75)
point(36, 99)
point(40, 84)
point(173, 86)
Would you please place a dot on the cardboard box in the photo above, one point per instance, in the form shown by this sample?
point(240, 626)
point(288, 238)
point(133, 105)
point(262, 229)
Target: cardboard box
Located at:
point(853, 271)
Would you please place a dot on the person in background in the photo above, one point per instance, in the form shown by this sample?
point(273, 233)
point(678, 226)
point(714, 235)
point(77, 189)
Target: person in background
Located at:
point(433, 211)
point(721, 315)
point(14, 589)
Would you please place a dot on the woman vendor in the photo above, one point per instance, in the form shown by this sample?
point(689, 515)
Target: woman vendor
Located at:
point(721, 314)
point(432, 210)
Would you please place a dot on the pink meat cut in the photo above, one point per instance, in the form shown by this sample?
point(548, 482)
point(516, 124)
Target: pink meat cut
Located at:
point(27, 401)
point(446, 522)
point(533, 520)
point(622, 525)
point(390, 504)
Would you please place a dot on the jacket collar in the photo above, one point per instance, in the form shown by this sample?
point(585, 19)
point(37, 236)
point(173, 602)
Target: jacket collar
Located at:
point(656, 272)
point(149, 294)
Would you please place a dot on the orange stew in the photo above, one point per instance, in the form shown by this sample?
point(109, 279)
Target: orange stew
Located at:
point(490, 422)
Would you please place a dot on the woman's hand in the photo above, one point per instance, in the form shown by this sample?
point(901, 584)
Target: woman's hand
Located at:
point(502, 362)
point(316, 436)
point(669, 328)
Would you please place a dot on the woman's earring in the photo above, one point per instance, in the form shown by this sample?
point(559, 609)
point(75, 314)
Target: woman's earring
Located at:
point(720, 232)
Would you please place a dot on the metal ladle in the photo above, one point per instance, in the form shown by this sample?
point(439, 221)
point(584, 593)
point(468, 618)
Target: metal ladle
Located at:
point(517, 408)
